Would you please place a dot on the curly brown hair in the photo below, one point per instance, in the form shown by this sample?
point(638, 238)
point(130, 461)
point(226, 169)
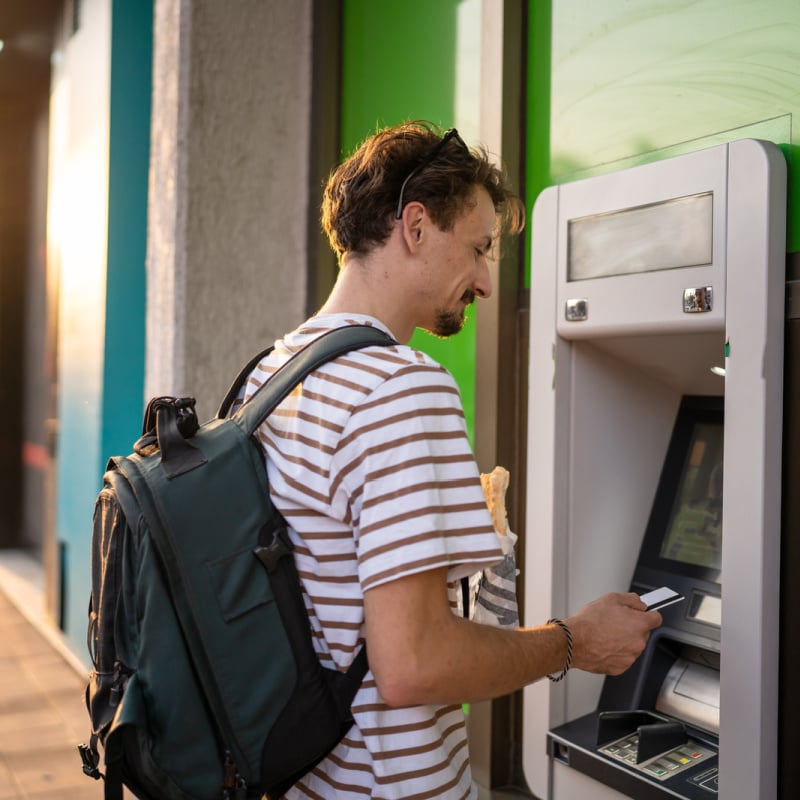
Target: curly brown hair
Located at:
point(361, 196)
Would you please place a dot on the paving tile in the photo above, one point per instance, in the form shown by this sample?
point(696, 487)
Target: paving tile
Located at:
point(51, 674)
point(95, 792)
point(8, 786)
point(36, 738)
point(10, 662)
point(15, 696)
point(75, 717)
point(47, 770)
point(16, 727)
point(25, 642)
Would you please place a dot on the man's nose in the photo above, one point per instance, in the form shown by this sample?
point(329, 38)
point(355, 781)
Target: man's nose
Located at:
point(482, 285)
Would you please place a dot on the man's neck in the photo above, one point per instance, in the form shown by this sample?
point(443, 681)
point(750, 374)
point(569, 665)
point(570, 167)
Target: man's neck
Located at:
point(368, 286)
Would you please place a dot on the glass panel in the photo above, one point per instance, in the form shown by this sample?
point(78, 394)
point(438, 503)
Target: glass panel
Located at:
point(675, 233)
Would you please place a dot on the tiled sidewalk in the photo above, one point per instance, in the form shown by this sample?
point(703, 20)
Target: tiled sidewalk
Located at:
point(42, 716)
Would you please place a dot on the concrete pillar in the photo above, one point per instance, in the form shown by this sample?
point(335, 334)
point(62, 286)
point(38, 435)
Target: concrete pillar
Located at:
point(229, 188)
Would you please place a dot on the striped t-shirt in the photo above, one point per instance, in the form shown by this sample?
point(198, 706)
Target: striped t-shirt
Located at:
point(369, 463)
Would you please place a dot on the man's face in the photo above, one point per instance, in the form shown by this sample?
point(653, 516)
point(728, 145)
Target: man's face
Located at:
point(457, 268)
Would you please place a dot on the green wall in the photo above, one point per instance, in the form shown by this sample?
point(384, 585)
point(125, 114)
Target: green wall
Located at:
point(400, 62)
point(637, 81)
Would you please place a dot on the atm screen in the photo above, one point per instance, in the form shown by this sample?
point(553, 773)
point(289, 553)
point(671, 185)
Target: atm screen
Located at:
point(694, 533)
point(684, 533)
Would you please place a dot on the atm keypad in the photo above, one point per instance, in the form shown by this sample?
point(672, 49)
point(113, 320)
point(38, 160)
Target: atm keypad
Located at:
point(662, 766)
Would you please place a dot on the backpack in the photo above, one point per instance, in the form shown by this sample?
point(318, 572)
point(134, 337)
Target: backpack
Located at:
point(205, 682)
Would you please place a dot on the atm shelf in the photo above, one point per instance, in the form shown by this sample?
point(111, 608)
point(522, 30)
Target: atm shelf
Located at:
point(686, 770)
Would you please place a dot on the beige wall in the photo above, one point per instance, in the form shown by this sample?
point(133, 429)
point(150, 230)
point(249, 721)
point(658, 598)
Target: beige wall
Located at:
point(227, 228)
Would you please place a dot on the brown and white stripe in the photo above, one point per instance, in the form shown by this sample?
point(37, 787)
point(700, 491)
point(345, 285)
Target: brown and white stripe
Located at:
point(369, 462)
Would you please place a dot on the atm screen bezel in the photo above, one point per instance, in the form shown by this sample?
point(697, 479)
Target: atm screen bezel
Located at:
point(694, 410)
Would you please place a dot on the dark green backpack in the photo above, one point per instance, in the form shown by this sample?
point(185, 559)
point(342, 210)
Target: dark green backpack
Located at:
point(205, 682)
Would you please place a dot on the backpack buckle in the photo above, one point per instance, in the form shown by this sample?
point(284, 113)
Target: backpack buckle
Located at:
point(234, 786)
point(90, 759)
point(271, 553)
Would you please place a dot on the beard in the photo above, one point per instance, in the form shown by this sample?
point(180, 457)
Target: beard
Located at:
point(449, 321)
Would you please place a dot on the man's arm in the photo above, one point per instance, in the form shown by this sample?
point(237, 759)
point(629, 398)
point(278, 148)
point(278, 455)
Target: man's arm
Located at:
point(422, 653)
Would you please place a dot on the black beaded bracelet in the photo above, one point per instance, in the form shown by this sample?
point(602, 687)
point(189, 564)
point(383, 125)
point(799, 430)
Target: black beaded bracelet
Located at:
point(568, 633)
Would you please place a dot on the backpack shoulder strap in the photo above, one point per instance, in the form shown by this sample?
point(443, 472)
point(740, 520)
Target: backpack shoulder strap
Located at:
point(239, 381)
point(327, 347)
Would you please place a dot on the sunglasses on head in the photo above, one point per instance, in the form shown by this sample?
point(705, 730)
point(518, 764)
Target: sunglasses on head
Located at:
point(429, 159)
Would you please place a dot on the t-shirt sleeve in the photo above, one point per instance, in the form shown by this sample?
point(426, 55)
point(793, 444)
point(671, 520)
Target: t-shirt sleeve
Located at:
point(405, 469)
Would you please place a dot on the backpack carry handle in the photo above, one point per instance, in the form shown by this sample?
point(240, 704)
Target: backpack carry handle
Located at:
point(175, 421)
point(168, 424)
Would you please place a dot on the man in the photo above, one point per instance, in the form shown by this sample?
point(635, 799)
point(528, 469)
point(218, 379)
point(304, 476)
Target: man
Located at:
point(370, 464)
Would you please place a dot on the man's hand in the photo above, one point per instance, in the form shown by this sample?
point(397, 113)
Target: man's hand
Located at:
point(610, 633)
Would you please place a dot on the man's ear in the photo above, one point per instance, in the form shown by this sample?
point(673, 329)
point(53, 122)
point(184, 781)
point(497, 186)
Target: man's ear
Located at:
point(413, 220)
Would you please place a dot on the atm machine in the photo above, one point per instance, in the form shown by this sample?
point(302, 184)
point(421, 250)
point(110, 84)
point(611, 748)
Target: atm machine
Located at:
point(654, 459)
